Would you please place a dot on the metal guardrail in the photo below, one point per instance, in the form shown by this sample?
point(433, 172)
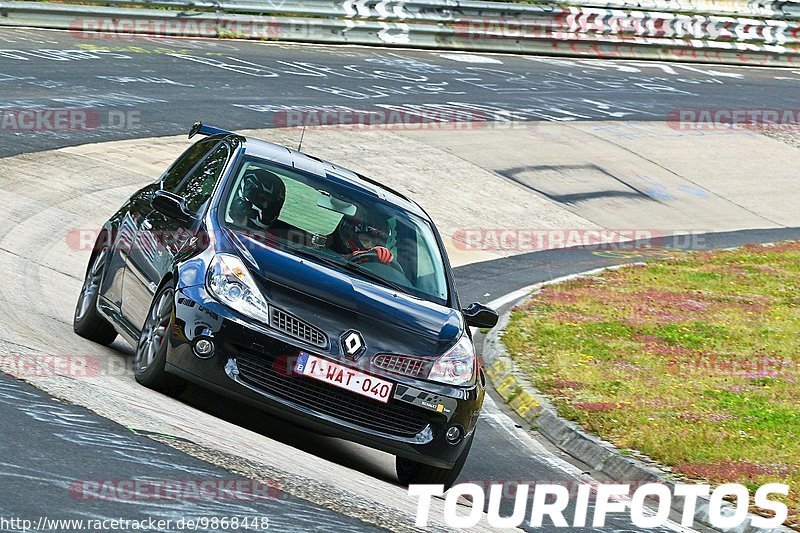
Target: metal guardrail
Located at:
point(769, 9)
point(769, 34)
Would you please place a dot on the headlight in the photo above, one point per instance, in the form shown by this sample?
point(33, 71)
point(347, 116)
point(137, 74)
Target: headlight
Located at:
point(230, 282)
point(457, 366)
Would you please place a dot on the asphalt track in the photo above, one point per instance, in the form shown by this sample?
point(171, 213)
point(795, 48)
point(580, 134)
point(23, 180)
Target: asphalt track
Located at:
point(139, 87)
point(53, 469)
point(157, 87)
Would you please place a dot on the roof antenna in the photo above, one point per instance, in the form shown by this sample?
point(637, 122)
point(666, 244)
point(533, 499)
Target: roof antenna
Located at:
point(302, 133)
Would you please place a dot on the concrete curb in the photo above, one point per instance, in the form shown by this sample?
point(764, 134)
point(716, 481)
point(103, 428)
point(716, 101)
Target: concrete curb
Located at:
point(533, 407)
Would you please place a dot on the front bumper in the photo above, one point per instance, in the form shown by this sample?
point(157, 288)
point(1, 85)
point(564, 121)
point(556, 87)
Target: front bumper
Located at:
point(253, 364)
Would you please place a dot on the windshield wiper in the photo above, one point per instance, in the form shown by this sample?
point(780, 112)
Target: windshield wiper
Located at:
point(351, 267)
point(354, 267)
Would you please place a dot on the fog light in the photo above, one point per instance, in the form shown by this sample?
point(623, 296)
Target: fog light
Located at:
point(204, 348)
point(453, 434)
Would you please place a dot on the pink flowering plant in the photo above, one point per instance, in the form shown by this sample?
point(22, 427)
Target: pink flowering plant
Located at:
point(692, 361)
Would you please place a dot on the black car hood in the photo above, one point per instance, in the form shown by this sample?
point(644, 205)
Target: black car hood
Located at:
point(335, 301)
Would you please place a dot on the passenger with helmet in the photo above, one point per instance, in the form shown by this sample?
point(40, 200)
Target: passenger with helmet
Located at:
point(259, 200)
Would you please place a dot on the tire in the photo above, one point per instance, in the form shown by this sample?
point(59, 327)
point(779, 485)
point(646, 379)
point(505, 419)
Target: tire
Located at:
point(413, 473)
point(151, 351)
point(87, 321)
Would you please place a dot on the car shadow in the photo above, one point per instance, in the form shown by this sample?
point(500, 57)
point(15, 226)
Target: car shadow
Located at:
point(348, 454)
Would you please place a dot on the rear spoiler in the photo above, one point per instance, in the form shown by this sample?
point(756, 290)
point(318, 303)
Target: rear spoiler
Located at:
point(202, 129)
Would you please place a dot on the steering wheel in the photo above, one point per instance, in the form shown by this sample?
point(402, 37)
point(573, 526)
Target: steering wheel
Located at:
point(371, 256)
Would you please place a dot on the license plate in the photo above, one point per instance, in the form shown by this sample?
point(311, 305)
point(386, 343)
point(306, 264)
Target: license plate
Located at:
point(343, 377)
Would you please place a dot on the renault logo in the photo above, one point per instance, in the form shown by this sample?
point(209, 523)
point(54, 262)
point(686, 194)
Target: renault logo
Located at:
point(352, 344)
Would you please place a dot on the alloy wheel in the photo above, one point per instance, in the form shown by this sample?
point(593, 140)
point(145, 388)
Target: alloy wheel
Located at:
point(91, 286)
point(155, 331)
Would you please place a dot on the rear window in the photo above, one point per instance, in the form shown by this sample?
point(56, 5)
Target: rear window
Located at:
point(301, 210)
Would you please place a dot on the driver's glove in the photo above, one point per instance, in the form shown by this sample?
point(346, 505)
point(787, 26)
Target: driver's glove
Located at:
point(384, 254)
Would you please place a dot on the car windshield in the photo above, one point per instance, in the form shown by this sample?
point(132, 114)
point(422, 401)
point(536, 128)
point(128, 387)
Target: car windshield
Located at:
point(340, 225)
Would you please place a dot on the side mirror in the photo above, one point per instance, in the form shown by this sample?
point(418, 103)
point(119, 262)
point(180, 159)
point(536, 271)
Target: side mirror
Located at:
point(171, 205)
point(480, 316)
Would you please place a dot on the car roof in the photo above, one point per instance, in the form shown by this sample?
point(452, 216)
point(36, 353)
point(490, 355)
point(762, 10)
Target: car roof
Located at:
point(320, 167)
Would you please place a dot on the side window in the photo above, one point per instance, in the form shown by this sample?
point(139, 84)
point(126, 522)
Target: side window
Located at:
point(198, 186)
point(186, 162)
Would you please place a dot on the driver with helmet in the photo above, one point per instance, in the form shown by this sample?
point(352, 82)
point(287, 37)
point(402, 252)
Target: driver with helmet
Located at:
point(360, 240)
point(366, 238)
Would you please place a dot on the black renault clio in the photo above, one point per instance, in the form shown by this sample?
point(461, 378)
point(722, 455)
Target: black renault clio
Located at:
point(297, 286)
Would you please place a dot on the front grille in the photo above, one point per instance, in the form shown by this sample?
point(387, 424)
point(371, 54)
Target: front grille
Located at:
point(403, 364)
point(393, 418)
point(296, 328)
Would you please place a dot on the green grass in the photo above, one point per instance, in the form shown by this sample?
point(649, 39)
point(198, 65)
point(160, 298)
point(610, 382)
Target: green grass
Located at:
point(693, 361)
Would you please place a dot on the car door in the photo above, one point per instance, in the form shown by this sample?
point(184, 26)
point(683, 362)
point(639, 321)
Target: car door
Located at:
point(123, 233)
point(159, 237)
point(134, 212)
